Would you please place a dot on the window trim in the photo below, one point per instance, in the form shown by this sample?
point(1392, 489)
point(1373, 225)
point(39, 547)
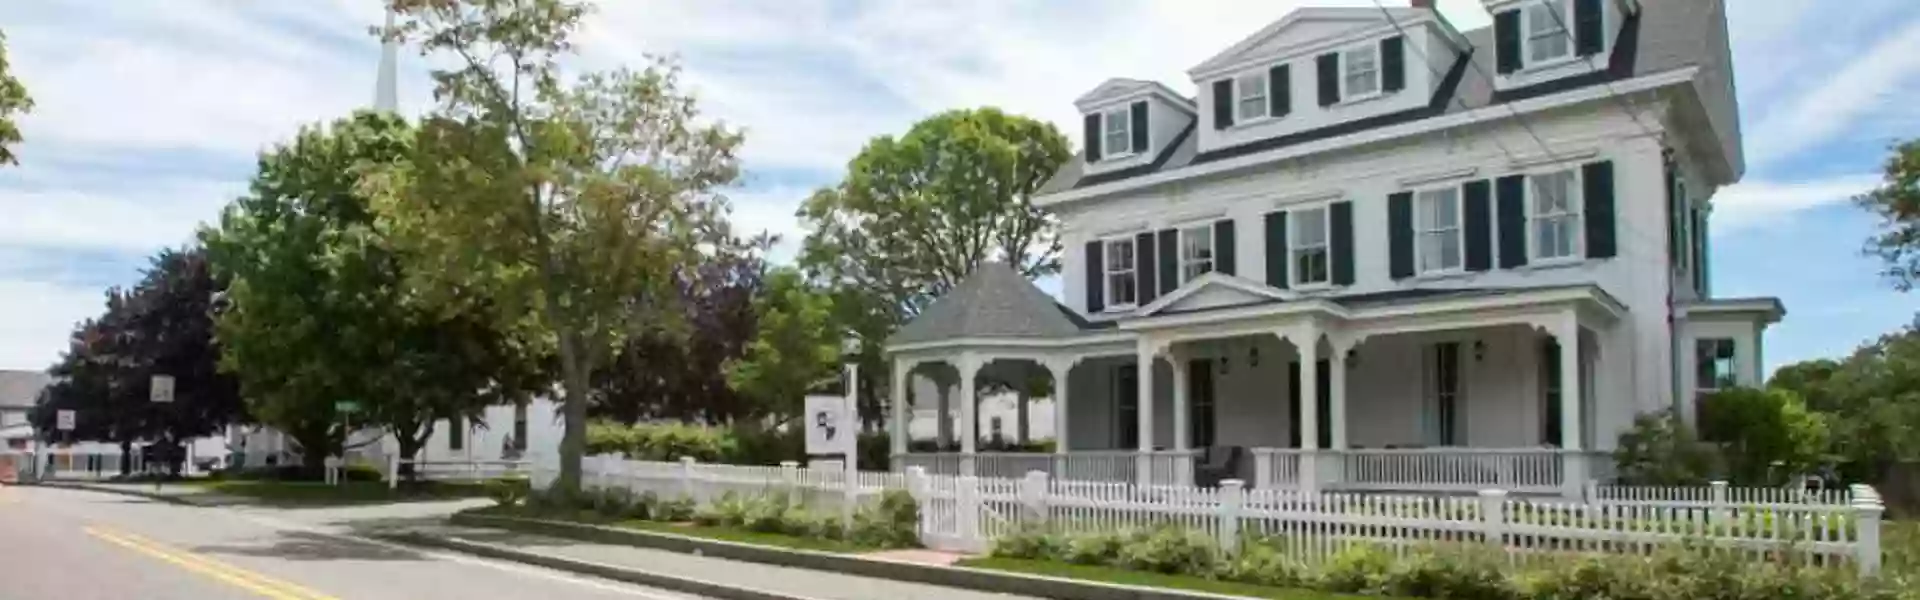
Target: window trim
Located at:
point(1213, 256)
point(1700, 387)
point(1576, 207)
point(1107, 272)
point(1379, 73)
point(1125, 118)
point(1564, 15)
point(1293, 245)
point(1459, 230)
point(1266, 99)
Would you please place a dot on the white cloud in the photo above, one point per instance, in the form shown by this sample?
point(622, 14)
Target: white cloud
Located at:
point(36, 317)
point(136, 221)
point(1833, 106)
point(1755, 203)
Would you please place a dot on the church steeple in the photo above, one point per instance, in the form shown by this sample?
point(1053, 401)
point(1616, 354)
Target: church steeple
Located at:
point(386, 98)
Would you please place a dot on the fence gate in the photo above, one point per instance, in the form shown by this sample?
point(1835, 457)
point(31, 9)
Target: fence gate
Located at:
point(950, 512)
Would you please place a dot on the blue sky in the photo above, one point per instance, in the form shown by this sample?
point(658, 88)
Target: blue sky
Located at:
point(151, 114)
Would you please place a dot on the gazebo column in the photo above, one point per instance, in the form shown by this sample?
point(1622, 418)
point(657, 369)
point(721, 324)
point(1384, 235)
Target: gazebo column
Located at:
point(969, 367)
point(1061, 370)
point(902, 377)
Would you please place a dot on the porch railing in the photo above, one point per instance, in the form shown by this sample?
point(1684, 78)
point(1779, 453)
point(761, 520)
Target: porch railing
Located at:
point(1118, 466)
point(1452, 469)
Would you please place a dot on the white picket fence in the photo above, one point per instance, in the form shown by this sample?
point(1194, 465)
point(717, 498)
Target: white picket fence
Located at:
point(965, 513)
point(455, 470)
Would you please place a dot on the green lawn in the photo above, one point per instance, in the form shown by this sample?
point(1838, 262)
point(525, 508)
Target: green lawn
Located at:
point(728, 534)
point(314, 493)
point(1144, 579)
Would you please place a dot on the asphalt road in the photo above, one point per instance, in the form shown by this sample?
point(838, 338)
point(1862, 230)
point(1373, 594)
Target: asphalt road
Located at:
point(76, 545)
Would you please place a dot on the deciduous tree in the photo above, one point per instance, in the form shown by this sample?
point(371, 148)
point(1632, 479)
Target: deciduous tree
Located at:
point(568, 204)
point(1897, 203)
point(14, 102)
point(796, 346)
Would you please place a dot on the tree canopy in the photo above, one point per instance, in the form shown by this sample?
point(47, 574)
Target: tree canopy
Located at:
point(794, 348)
point(566, 203)
point(320, 311)
point(14, 102)
point(1897, 203)
point(1871, 400)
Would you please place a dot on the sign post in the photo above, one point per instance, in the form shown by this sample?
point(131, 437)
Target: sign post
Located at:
point(346, 408)
point(161, 389)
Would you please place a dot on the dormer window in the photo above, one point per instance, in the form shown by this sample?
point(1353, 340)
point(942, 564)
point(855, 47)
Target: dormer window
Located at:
point(1361, 72)
point(1547, 37)
point(1119, 136)
point(1251, 90)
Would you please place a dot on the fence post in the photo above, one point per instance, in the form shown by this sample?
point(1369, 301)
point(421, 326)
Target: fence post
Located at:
point(686, 479)
point(1308, 478)
point(393, 471)
point(967, 500)
point(1033, 496)
point(1866, 543)
point(1718, 509)
point(1233, 500)
point(1262, 470)
point(1493, 517)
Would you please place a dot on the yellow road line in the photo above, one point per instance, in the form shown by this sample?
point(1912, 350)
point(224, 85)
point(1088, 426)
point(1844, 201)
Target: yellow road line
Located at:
point(248, 580)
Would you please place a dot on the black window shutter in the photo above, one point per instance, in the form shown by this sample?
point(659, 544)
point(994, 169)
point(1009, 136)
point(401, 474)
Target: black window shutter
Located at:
point(1323, 396)
point(1276, 222)
point(1096, 277)
point(1293, 402)
point(1143, 268)
point(1506, 41)
point(1479, 225)
point(1279, 91)
point(1223, 104)
point(1597, 179)
point(1400, 235)
point(1511, 196)
point(1093, 138)
point(1169, 260)
point(1340, 241)
point(1393, 64)
point(1223, 251)
point(1139, 129)
point(1329, 66)
point(1589, 27)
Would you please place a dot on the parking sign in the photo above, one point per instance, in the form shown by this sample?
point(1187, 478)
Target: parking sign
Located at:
point(63, 420)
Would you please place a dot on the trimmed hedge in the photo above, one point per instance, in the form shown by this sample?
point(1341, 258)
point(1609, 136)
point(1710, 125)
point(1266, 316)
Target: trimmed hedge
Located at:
point(737, 445)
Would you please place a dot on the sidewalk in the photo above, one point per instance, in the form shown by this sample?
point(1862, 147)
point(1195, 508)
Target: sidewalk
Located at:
point(774, 580)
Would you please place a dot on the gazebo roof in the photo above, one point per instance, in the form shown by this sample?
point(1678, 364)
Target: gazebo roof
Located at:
point(993, 302)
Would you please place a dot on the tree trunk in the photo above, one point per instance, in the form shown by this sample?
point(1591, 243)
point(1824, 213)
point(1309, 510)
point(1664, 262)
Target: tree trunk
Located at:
point(410, 444)
point(126, 458)
point(573, 441)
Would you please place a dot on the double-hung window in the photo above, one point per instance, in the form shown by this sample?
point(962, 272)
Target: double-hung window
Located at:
point(1196, 252)
point(1546, 31)
point(1713, 365)
point(1250, 92)
point(1310, 252)
point(1437, 229)
point(1360, 68)
point(1119, 133)
point(1555, 212)
point(1121, 289)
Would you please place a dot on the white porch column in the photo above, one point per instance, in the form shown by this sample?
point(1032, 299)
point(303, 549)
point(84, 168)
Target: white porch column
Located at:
point(1306, 343)
point(897, 437)
point(1143, 410)
point(1566, 330)
point(1061, 369)
point(1337, 381)
point(969, 366)
point(1180, 393)
point(1020, 411)
point(944, 434)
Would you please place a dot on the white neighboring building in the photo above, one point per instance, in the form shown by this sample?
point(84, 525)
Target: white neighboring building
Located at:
point(1378, 253)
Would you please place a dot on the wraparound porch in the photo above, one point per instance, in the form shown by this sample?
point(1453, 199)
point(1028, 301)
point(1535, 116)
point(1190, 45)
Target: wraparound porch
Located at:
point(1436, 394)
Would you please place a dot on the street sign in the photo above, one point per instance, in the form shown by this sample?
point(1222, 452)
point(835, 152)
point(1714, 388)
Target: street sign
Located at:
point(162, 389)
point(63, 420)
point(829, 430)
point(346, 406)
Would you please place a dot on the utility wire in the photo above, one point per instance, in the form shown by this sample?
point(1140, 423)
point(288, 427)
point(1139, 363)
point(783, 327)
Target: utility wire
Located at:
point(1437, 74)
point(1553, 8)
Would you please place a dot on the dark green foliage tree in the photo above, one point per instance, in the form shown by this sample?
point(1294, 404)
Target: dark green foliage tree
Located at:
point(1766, 435)
point(1897, 203)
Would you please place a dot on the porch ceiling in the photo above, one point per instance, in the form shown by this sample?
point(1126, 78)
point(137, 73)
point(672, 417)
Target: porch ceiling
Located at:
point(1384, 309)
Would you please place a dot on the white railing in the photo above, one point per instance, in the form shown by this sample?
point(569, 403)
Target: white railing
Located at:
point(1277, 467)
point(1119, 466)
point(965, 513)
point(456, 470)
point(1450, 470)
point(1719, 493)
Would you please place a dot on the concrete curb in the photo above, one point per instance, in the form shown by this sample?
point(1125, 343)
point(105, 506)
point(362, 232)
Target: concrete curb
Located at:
point(675, 583)
point(984, 580)
point(158, 497)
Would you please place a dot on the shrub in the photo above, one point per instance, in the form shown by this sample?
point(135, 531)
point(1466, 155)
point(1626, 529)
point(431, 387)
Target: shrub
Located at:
point(1030, 544)
point(613, 502)
point(1759, 428)
point(1612, 577)
point(677, 510)
point(893, 523)
point(1451, 572)
point(765, 514)
point(728, 511)
point(1261, 563)
point(1169, 550)
point(1659, 450)
point(508, 492)
point(1095, 548)
point(660, 441)
point(1358, 569)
